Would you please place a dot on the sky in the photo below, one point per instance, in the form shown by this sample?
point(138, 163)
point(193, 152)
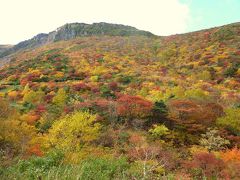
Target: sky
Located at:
point(23, 19)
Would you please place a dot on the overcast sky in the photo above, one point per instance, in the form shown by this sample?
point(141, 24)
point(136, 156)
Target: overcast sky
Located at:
point(22, 19)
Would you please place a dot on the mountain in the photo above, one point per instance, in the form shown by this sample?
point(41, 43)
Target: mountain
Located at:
point(4, 48)
point(73, 30)
point(126, 105)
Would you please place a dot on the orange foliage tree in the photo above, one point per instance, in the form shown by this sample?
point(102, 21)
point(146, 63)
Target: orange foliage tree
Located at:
point(195, 116)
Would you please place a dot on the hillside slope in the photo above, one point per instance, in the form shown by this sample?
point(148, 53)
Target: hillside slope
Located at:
point(123, 107)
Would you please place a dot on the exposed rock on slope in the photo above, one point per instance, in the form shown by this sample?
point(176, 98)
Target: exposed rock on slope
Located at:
point(73, 30)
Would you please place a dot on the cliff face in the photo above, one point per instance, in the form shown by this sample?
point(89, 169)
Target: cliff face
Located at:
point(4, 48)
point(70, 31)
point(73, 30)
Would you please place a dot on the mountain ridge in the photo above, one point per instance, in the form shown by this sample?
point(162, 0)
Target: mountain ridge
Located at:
point(73, 30)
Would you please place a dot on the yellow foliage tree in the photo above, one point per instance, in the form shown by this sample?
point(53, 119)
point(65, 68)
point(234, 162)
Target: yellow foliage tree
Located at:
point(13, 131)
point(73, 132)
point(59, 74)
point(26, 89)
point(19, 134)
point(33, 96)
point(60, 98)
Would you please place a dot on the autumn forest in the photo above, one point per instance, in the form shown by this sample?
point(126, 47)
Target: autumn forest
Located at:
point(122, 105)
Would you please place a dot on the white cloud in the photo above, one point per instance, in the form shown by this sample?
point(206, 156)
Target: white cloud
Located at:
point(23, 19)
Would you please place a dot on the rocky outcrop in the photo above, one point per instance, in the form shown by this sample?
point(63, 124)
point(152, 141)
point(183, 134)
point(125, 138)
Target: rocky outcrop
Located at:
point(73, 30)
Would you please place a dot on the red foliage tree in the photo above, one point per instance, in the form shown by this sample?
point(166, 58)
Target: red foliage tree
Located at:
point(81, 87)
point(40, 109)
point(205, 165)
point(113, 86)
point(195, 116)
point(48, 98)
point(131, 107)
